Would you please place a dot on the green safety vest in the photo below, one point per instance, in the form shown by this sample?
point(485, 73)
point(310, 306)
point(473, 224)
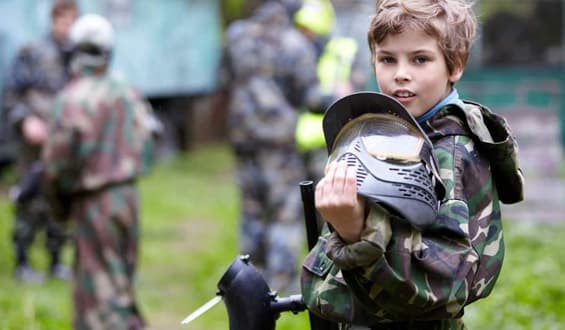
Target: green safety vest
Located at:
point(334, 66)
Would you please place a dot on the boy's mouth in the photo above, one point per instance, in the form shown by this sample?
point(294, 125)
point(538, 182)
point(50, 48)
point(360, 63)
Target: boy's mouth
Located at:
point(403, 95)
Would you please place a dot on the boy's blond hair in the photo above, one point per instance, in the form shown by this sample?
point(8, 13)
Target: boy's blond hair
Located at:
point(451, 22)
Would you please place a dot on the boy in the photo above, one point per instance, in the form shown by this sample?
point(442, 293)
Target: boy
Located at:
point(39, 71)
point(100, 142)
point(401, 277)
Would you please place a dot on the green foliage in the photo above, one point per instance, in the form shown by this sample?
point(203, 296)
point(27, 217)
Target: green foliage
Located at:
point(190, 217)
point(519, 8)
point(529, 293)
point(236, 9)
point(232, 9)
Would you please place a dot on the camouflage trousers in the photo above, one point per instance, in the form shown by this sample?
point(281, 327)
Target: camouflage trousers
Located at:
point(31, 217)
point(272, 225)
point(106, 249)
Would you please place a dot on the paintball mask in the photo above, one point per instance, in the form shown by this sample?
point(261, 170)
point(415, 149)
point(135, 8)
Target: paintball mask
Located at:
point(393, 157)
point(92, 37)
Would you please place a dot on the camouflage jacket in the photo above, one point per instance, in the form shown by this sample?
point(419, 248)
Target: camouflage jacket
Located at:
point(398, 274)
point(100, 135)
point(270, 71)
point(39, 71)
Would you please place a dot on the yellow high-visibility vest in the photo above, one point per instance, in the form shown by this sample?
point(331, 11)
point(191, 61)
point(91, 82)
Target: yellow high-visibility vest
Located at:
point(334, 66)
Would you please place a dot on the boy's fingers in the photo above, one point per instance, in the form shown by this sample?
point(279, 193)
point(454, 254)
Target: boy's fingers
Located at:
point(337, 186)
point(319, 192)
point(350, 185)
point(341, 177)
point(331, 175)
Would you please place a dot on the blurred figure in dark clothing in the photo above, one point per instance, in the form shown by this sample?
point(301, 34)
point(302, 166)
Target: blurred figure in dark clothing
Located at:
point(39, 71)
point(271, 73)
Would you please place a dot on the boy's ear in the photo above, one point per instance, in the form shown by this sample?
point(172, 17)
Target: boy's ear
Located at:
point(456, 74)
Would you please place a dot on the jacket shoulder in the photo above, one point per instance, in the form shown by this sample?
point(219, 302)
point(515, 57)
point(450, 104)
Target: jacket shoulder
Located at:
point(494, 138)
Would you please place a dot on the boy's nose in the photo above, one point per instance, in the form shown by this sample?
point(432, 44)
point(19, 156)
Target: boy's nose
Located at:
point(402, 73)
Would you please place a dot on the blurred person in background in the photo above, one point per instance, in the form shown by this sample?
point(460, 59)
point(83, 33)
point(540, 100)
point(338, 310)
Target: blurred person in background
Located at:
point(39, 71)
point(270, 73)
point(339, 74)
point(100, 141)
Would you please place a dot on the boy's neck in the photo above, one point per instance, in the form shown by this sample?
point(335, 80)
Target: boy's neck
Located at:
point(451, 98)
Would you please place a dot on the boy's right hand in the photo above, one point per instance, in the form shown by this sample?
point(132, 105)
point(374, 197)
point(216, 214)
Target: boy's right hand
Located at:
point(338, 202)
point(34, 130)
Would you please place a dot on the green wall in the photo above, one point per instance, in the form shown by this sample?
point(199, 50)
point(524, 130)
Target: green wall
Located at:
point(515, 88)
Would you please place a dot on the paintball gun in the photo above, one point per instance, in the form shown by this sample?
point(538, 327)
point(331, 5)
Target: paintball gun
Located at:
point(250, 303)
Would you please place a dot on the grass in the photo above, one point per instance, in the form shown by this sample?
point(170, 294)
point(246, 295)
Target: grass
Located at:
point(190, 217)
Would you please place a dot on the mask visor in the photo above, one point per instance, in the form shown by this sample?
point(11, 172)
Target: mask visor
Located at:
point(384, 137)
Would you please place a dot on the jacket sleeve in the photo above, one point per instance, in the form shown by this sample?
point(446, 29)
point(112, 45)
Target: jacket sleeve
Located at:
point(59, 161)
point(19, 78)
point(430, 274)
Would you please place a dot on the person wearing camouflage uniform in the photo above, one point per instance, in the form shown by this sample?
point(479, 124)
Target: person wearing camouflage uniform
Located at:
point(39, 71)
point(100, 141)
point(375, 271)
point(271, 72)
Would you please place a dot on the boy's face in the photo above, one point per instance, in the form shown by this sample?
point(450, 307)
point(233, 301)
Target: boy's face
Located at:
point(61, 24)
point(410, 67)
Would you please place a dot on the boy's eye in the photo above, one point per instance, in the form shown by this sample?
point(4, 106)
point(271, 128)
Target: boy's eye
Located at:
point(387, 59)
point(420, 59)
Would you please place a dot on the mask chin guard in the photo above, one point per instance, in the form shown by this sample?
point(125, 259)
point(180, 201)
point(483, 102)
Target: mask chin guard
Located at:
point(405, 189)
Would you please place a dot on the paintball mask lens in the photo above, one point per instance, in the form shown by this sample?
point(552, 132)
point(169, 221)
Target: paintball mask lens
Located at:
point(382, 136)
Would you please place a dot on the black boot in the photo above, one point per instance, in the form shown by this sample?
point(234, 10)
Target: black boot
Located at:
point(24, 272)
point(58, 270)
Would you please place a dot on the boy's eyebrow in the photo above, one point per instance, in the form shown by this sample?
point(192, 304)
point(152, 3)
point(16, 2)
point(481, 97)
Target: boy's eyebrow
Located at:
point(382, 51)
point(415, 52)
point(422, 51)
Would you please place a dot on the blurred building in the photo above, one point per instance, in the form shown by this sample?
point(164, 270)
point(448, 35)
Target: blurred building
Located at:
point(170, 50)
